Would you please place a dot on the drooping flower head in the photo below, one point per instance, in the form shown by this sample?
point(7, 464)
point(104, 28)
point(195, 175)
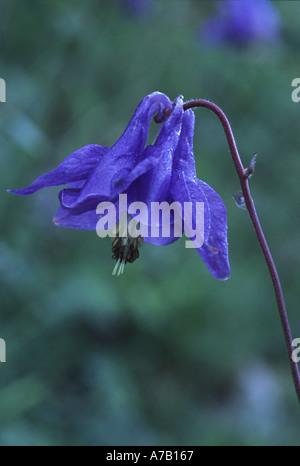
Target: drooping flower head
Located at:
point(242, 22)
point(126, 184)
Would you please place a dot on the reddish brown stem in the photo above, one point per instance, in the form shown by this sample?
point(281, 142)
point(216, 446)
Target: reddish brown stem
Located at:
point(243, 177)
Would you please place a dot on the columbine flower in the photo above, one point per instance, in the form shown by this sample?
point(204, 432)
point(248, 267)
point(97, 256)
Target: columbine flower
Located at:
point(161, 172)
point(243, 22)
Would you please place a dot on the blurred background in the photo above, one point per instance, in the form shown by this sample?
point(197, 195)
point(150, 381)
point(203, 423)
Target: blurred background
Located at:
point(165, 354)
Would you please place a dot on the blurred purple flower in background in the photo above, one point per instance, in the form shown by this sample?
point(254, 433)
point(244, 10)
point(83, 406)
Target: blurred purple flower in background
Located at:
point(138, 8)
point(242, 22)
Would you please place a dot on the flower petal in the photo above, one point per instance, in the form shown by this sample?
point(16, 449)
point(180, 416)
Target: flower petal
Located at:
point(214, 251)
point(187, 188)
point(120, 160)
point(154, 185)
point(157, 162)
point(158, 180)
point(83, 221)
point(77, 166)
point(160, 241)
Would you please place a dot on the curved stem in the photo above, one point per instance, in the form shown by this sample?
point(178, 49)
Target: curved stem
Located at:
point(243, 177)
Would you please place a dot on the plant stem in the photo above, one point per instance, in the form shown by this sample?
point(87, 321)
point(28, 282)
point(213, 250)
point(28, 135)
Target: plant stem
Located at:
point(243, 177)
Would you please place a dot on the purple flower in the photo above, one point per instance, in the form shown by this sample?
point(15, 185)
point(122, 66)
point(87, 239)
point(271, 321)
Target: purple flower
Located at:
point(137, 8)
point(242, 22)
point(162, 172)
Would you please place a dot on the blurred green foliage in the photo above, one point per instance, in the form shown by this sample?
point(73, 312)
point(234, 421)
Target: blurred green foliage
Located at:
point(164, 355)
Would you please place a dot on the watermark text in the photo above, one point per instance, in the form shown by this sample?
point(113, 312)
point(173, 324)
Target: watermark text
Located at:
point(2, 90)
point(157, 220)
point(296, 352)
point(296, 92)
point(2, 350)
